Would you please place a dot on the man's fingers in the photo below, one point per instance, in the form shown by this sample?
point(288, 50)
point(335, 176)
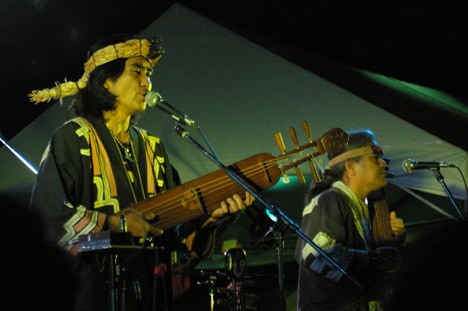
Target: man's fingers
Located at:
point(238, 204)
point(156, 231)
point(152, 218)
point(249, 198)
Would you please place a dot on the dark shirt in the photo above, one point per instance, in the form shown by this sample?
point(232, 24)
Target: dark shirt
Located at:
point(83, 179)
point(339, 225)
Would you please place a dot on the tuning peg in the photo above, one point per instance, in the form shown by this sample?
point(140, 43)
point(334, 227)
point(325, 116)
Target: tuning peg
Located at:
point(280, 142)
point(292, 132)
point(300, 176)
point(313, 171)
point(306, 127)
point(319, 146)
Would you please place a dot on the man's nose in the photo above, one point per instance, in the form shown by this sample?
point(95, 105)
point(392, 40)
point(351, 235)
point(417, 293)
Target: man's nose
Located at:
point(146, 81)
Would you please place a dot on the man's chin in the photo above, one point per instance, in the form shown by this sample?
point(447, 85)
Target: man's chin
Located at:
point(384, 183)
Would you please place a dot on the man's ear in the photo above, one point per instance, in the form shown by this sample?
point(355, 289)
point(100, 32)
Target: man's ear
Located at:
point(350, 168)
point(107, 84)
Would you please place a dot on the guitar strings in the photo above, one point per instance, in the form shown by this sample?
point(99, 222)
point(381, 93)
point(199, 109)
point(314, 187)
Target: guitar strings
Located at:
point(248, 172)
point(382, 218)
point(214, 186)
point(217, 185)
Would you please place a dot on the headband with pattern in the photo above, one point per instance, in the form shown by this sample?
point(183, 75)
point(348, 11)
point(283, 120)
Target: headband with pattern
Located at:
point(149, 48)
point(336, 140)
point(350, 154)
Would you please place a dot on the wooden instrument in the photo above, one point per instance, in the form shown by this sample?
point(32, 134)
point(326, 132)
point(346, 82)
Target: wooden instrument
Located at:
point(205, 194)
point(381, 224)
point(382, 232)
point(381, 227)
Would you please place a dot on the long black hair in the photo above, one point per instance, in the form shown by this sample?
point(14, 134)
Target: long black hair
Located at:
point(92, 100)
point(357, 139)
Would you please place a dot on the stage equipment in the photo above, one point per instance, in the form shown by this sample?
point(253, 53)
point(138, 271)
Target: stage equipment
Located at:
point(411, 165)
point(117, 252)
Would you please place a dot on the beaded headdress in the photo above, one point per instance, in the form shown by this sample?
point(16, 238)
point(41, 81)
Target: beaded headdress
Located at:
point(149, 48)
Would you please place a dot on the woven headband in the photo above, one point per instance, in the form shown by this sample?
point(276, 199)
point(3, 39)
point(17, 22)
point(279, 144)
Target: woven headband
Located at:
point(350, 154)
point(148, 48)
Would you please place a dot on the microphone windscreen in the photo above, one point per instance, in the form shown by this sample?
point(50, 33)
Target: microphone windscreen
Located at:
point(151, 99)
point(407, 165)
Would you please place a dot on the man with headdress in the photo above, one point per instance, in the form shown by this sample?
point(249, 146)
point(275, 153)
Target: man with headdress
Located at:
point(99, 163)
point(338, 220)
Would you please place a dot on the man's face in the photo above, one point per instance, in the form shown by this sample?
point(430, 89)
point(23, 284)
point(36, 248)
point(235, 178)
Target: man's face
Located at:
point(370, 170)
point(131, 86)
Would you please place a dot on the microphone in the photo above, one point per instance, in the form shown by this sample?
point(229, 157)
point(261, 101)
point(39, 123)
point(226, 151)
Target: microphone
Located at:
point(411, 165)
point(154, 99)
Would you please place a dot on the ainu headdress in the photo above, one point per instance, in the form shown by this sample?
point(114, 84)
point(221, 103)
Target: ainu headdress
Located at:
point(149, 48)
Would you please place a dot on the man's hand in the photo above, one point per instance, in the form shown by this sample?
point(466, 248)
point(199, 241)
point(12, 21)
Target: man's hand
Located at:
point(397, 225)
point(134, 224)
point(230, 206)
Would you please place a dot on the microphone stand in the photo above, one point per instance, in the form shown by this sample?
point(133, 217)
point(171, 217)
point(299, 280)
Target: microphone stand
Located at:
point(440, 179)
point(273, 209)
point(278, 230)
